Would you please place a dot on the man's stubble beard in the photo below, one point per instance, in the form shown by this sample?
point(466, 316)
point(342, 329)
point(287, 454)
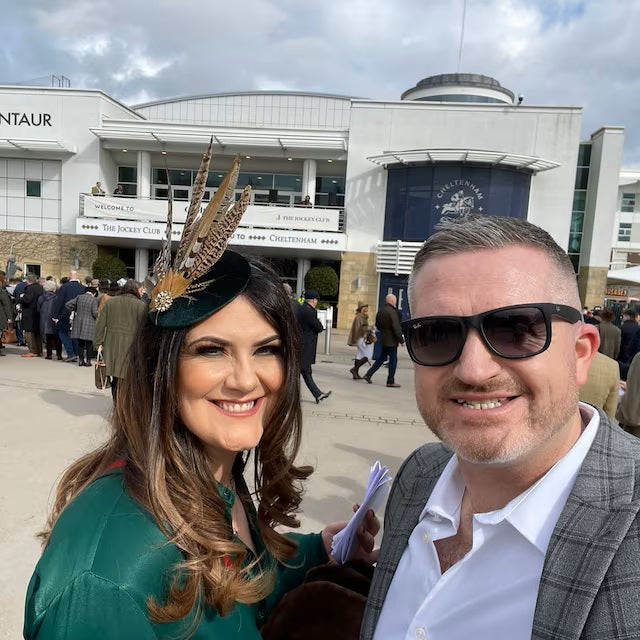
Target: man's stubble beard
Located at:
point(541, 425)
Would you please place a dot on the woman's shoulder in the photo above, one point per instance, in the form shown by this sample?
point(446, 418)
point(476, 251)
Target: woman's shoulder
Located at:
point(106, 536)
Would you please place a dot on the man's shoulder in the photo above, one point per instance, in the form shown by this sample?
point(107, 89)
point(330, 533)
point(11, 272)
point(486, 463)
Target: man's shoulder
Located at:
point(427, 460)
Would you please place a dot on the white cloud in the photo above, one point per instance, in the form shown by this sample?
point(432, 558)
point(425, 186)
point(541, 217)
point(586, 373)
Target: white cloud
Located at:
point(556, 52)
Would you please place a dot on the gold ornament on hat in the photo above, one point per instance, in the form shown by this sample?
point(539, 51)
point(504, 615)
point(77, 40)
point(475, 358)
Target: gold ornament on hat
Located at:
point(203, 241)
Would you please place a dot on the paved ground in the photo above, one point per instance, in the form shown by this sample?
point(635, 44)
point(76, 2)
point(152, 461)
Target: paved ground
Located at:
point(50, 413)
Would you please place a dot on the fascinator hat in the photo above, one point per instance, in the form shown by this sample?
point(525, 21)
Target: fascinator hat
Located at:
point(203, 276)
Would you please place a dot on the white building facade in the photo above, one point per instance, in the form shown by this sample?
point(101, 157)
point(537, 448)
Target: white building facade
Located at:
point(380, 175)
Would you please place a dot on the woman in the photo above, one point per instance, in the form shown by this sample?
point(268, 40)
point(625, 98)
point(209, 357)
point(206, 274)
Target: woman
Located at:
point(83, 329)
point(47, 329)
point(116, 328)
point(358, 336)
point(155, 533)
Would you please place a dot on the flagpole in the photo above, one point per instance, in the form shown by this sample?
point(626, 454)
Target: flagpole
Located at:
point(464, 13)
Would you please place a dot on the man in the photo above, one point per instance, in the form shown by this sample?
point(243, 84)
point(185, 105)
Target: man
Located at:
point(6, 310)
point(629, 331)
point(18, 290)
point(31, 317)
point(524, 522)
point(388, 325)
point(97, 190)
point(293, 301)
point(602, 388)
point(609, 335)
point(61, 315)
point(310, 327)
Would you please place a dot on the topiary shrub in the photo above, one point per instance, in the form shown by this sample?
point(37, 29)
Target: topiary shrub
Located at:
point(109, 266)
point(323, 279)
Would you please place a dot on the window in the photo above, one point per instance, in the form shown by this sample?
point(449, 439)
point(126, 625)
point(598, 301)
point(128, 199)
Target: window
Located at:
point(34, 188)
point(628, 202)
point(624, 232)
point(128, 181)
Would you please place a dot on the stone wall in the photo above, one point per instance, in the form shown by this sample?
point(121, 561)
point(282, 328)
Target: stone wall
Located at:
point(592, 282)
point(356, 269)
point(54, 252)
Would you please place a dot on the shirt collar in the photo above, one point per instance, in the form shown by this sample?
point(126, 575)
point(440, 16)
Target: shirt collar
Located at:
point(534, 512)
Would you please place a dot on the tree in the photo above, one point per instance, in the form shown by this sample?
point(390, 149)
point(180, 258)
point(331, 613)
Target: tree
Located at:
point(323, 279)
point(109, 266)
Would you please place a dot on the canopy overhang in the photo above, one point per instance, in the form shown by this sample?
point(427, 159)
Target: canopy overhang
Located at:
point(27, 144)
point(624, 276)
point(463, 156)
point(118, 133)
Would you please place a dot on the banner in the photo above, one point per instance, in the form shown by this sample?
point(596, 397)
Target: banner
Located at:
point(263, 216)
point(242, 236)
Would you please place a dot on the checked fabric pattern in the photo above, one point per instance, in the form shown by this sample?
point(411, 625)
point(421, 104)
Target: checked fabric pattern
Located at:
point(590, 584)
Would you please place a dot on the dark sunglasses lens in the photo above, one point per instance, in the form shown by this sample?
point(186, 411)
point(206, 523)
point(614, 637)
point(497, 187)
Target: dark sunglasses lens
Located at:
point(516, 332)
point(435, 341)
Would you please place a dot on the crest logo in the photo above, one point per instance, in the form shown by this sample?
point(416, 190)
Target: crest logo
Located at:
point(458, 199)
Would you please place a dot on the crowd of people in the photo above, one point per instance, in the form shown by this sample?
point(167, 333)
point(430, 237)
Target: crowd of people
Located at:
point(71, 321)
point(613, 381)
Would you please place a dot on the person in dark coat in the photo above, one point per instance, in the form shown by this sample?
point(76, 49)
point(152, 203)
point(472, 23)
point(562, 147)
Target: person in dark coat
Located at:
point(310, 327)
point(30, 316)
point(47, 329)
point(388, 323)
point(61, 315)
point(17, 292)
point(629, 331)
point(6, 309)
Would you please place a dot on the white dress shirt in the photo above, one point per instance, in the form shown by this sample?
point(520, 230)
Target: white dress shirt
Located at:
point(491, 592)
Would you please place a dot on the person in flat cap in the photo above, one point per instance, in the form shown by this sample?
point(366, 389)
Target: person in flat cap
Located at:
point(156, 533)
point(310, 327)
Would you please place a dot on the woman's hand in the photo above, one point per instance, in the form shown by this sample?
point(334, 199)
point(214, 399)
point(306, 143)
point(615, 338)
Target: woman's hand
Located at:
point(366, 537)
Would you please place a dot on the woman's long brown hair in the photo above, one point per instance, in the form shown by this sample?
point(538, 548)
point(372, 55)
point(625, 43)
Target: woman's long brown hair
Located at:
point(168, 473)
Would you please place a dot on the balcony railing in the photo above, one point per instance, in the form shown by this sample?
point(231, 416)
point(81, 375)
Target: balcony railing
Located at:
point(123, 207)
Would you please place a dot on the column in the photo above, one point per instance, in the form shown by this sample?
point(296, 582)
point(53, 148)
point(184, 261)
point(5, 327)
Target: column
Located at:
point(309, 179)
point(303, 266)
point(142, 263)
point(144, 174)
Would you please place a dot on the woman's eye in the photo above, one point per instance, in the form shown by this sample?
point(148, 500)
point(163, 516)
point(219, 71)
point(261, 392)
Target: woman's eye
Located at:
point(209, 350)
point(270, 350)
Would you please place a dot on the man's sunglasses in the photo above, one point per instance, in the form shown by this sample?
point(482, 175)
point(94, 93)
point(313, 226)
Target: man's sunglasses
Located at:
point(517, 331)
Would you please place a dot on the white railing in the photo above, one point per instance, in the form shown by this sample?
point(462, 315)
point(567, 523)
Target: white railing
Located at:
point(295, 210)
point(396, 256)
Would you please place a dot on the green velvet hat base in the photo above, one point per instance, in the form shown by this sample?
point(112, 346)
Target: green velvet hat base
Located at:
point(229, 276)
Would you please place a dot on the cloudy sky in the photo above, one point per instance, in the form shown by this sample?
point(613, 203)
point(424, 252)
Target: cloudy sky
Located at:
point(565, 52)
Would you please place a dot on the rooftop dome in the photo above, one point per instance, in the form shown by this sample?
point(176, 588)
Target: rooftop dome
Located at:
point(459, 87)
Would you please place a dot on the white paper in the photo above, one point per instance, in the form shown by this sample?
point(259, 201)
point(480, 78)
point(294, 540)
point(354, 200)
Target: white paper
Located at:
point(344, 542)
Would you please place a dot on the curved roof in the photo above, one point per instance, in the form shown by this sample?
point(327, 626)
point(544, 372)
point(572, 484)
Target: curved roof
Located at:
point(463, 156)
point(227, 94)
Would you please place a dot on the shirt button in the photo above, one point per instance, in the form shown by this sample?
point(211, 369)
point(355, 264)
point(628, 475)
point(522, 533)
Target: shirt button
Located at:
point(420, 633)
point(426, 538)
point(435, 517)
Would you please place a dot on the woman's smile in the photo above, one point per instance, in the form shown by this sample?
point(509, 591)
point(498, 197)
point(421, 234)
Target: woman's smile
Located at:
point(238, 409)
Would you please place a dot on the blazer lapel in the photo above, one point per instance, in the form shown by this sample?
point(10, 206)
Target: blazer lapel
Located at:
point(411, 490)
point(598, 514)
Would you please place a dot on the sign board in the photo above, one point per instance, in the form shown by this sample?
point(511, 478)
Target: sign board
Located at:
point(244, 237)
point(616, 292)
point(262, 216)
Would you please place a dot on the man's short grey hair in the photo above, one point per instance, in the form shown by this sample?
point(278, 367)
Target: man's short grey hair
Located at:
point(478, 232)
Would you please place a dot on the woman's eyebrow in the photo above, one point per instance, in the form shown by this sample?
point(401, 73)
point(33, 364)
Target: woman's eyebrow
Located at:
point(226, 343)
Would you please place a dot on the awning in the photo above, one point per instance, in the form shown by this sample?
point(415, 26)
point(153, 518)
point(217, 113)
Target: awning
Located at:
point(463, 156)
point(117, 133)
point(624, 276)
point(22, 144)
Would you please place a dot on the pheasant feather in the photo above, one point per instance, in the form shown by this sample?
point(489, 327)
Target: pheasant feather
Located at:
point(204, 238)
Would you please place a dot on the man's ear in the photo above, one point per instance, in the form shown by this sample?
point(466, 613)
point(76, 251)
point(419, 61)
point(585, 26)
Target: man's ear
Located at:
point(587, 343)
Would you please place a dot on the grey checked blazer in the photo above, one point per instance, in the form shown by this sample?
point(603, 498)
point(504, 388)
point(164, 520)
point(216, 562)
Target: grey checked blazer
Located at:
point(590, 584)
